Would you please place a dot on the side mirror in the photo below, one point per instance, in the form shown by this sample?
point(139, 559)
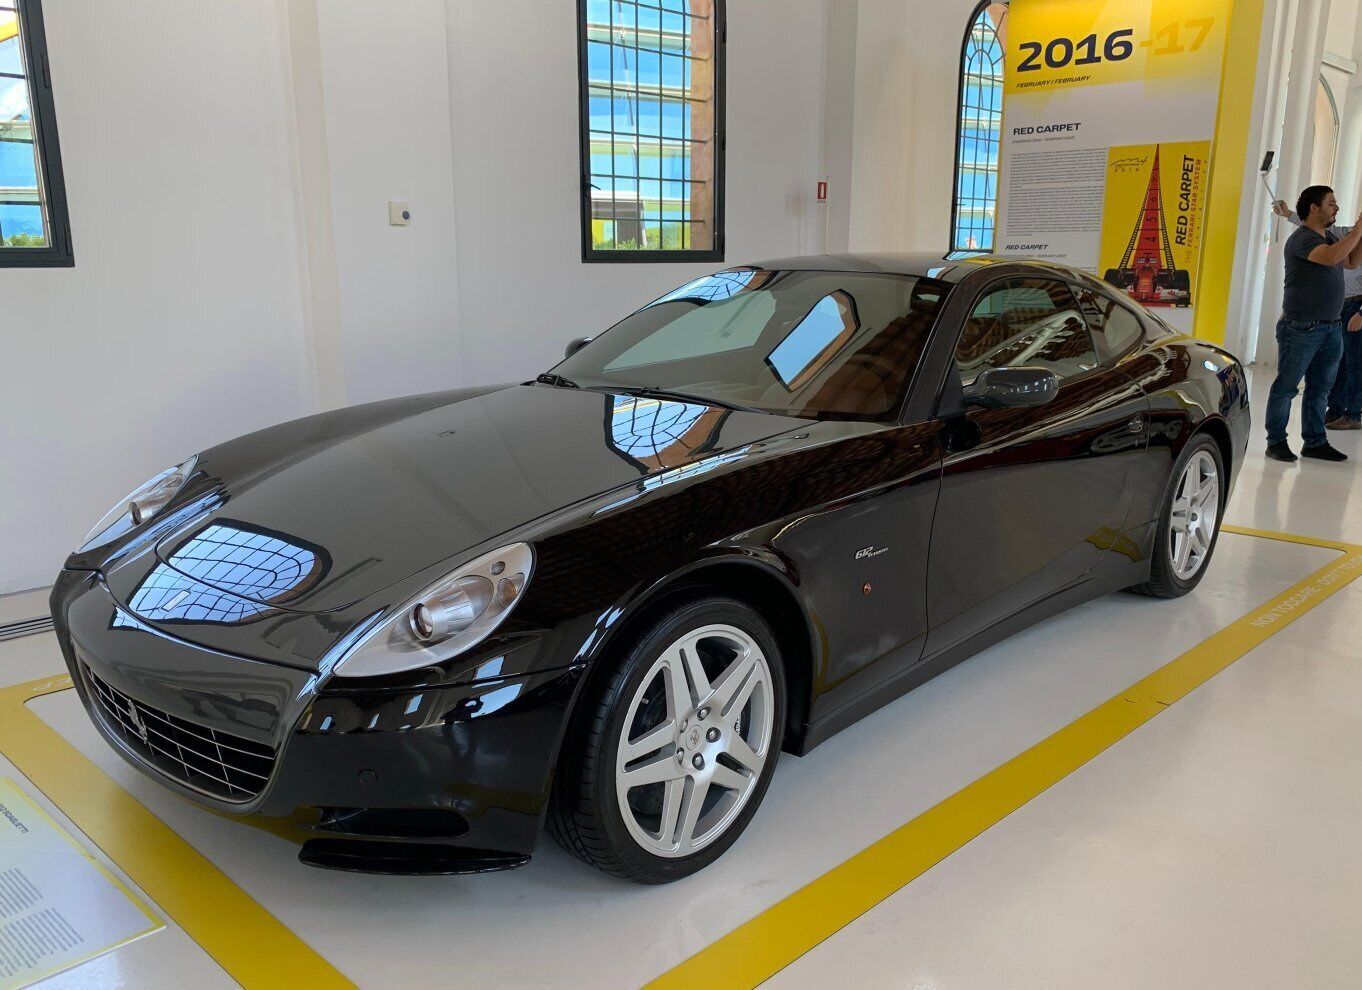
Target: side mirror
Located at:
point(576, 345)
point(1012, 388)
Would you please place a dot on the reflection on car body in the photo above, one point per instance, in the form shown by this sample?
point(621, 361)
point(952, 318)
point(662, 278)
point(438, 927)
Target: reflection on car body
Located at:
point(759, 508)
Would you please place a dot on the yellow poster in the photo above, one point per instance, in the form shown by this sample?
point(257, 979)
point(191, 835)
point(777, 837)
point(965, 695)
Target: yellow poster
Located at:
point(1058, 44)
point(1109, 117)
point(1153, 214)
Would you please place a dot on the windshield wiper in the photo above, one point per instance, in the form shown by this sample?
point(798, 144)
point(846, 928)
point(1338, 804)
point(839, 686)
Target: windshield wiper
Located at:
point(557, 381)
point(647, 392)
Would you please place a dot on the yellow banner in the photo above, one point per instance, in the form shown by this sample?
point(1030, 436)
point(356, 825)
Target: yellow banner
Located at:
point(1152, 227)
point(1059, 44)
point(1098, 94)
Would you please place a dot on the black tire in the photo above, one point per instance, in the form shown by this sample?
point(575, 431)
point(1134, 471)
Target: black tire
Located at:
point(584, 813)
point(1163, 579)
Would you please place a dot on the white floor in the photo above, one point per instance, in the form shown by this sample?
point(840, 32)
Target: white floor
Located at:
point(1214, 847)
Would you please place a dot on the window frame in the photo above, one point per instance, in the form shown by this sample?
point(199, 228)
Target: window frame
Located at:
point(978, 11)
point(1323, 88)
point(42, 109)
point(1116, 357)
point(1003, 282)
point(592, 255)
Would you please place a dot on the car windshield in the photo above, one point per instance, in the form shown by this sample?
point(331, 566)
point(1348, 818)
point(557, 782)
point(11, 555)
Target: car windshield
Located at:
point(822, 345)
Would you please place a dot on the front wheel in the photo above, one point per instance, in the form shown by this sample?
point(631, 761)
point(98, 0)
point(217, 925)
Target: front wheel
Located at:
point(680, 747)
point(1189, 524)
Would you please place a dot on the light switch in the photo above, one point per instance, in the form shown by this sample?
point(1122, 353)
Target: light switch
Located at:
point(399, 214)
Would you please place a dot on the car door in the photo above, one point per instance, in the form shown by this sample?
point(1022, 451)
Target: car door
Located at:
point(1030, 498)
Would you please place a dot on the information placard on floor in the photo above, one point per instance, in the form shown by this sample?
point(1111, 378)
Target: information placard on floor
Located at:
point(59, 906)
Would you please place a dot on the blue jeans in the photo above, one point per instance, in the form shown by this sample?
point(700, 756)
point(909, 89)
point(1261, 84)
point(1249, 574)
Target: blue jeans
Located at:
point(1309, 350)
point(1346, 397)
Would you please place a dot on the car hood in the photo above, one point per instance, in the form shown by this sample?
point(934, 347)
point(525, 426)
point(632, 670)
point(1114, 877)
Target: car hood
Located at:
point(316, 515)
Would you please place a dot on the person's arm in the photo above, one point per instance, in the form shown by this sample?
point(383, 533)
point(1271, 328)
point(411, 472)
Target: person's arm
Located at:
point(1355, 254)
point(1285, 212)
point(1346, 250)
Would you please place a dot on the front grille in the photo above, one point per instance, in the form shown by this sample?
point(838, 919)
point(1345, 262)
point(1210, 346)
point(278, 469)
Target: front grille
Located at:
point(208, 760)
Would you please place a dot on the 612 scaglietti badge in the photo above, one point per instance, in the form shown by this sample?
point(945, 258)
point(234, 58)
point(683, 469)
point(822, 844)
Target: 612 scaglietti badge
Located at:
point(754, 511)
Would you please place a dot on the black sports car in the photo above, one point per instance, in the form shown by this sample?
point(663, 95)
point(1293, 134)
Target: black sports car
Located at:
point(749, 514)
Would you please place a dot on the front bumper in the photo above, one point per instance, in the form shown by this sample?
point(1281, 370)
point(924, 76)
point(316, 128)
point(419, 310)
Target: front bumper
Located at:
point(453, 778)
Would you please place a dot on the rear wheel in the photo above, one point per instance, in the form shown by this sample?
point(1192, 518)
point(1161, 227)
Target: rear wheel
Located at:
point(679, 747)
point(1189, 524)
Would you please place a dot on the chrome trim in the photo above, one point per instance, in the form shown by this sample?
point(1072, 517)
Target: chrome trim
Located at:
point(182, 751)
point(706, 751)
point(1194, 516)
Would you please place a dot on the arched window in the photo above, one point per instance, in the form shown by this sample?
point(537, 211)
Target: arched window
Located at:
point(979, 130)
point(1326, 135)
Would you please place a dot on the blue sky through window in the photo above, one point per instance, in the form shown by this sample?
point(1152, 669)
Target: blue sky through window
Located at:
point(808, 340)
point(977, 154)
point(650, 81)
point(21, 209)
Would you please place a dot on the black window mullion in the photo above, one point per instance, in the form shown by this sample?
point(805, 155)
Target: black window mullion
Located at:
point(974, 203)
point(638, 156)
point(51, 185)
point(626, 35)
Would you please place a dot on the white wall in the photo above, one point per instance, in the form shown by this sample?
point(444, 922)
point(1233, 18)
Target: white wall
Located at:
point(181, 323)
point(907, 75)
point(1256, 300)
point(524, 291)
point(1338, 46)
point(385, 76)
point(228, 167)
point(840, 43)
point(1344, 38)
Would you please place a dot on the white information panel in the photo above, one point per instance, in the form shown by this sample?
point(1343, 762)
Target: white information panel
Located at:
point(59, 906)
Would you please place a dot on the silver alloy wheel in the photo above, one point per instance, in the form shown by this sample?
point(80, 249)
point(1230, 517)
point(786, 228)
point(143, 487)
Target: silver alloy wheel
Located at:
point(1196, 507)
point(682, 781)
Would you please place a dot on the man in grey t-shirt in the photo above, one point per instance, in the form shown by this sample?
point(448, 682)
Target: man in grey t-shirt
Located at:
point(1345, 400)
point(1310, 332)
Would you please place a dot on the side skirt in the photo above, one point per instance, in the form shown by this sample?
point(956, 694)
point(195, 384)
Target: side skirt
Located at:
point(1108, 579)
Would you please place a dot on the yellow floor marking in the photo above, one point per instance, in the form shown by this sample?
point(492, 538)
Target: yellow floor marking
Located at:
point(259, 951)
point(1309, 541)
point(761, 947)
point(254, 947)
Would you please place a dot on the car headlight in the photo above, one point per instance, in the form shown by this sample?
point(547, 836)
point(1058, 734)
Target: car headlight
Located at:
point(452, 615)
point(141, 505)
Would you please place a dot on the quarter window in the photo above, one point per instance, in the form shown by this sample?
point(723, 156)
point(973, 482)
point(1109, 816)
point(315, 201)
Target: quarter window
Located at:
point(1026, 322)
point(815, 340)
point(1115, 329)
point(33, 223)
point(652, 83)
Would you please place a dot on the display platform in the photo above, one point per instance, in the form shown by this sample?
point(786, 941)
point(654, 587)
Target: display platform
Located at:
point(589, 930)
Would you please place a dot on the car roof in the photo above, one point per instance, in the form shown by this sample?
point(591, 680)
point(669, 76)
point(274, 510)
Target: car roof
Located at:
point(949, 268)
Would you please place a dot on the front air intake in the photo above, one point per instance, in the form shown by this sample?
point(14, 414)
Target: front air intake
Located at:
point(214, 762)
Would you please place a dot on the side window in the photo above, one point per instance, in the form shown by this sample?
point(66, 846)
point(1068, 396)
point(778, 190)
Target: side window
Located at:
point(1026, 322)
point(1115, 329)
